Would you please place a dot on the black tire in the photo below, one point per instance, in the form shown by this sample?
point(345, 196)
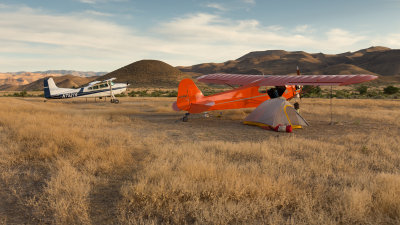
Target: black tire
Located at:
point(112, 100)
point(116, 101)
point(185, 119)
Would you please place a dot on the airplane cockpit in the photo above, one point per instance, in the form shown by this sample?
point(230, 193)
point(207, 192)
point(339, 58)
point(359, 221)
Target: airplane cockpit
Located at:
point(95, 85)
point(278, 91)
point(100, 86)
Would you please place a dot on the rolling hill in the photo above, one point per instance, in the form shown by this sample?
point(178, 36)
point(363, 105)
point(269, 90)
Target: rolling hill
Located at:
point(18, 80)
point(374, 60)
point(147, 73)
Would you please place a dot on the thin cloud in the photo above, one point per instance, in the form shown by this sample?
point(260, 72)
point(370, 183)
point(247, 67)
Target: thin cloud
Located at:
point(302, 28)
point(216, 6)
point(97, 13)
point(99, 1)
point(249, 1)
point(211, 29)
point(392, 40)
point(88, 1)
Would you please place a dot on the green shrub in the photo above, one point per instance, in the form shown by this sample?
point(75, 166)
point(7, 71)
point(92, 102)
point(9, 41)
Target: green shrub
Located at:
point(389, 90)
point(342, 94)
point(172, 94)
point(121, 95)
point(19, 94)
point(362, 89)
point(311, 91)
point(155, 93)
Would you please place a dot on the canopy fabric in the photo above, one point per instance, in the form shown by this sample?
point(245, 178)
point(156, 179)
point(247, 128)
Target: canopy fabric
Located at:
point(275, 112)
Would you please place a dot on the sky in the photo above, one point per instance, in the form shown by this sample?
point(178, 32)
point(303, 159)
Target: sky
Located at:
point(104, 35)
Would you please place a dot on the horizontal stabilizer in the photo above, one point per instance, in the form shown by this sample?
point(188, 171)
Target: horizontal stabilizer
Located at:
point(201, 106)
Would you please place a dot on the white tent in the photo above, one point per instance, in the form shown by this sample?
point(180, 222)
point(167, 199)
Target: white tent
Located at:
point(275, 112)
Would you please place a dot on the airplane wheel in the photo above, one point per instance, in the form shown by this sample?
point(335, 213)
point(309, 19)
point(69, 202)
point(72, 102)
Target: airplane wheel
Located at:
point(185, 119)
point(116, 101)
point(112, 100)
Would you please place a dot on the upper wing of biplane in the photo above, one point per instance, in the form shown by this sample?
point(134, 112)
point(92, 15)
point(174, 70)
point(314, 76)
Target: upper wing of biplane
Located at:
point(281, 80)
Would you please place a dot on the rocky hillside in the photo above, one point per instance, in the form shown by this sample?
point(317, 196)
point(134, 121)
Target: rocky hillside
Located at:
point(147, 73)
point(21, 78)
point(374, 60)
point(73, 72)
point(67, 81)
point(15, 80)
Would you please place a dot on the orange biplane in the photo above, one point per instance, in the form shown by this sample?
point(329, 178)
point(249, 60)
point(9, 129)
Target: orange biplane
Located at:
point(247, 95)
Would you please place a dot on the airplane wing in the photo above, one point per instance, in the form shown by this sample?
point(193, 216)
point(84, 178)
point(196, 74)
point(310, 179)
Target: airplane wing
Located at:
point(111, 79)
point(281, 80)
point(93, 83)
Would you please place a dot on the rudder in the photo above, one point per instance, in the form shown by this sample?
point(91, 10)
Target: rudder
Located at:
point(48, 87)
point(188, 93)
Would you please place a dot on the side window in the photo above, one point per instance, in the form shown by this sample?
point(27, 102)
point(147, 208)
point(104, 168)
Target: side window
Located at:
point(96, 87)
point(90, 88)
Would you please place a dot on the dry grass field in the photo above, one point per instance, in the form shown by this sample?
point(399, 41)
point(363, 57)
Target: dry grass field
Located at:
point(70, 162)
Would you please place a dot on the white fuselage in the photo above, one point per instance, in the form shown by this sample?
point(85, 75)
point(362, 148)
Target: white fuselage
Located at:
point(102, 89)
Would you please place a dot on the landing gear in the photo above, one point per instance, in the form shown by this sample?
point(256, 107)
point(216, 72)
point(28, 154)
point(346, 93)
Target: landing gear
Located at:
point(185, 118)
point(113, 99)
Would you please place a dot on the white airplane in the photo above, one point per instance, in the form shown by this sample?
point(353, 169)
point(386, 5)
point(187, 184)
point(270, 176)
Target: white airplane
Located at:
point(95, 89)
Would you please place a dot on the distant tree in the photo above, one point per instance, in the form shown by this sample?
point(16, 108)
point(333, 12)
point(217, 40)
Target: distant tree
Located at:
point(311, 91)
point(389, 90)
point(362, 89)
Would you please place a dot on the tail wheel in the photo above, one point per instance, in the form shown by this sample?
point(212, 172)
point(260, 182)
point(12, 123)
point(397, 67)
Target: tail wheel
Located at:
point(185, 119)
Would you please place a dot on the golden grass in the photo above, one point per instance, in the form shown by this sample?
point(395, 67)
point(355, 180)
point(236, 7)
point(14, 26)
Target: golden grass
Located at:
point(99, 163)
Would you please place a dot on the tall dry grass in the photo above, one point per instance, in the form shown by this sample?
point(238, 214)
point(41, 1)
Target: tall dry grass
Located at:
point(97, 164)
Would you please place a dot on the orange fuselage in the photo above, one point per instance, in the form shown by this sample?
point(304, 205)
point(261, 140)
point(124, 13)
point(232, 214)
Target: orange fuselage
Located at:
point(192, 100)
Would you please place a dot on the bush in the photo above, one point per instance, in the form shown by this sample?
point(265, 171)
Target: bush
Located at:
point(155, 93)
point(20, 94)
point(311, 91)
point(342, 94)
point(389, 90)
point(120, 95)
point(172, 94)
point(362, 89)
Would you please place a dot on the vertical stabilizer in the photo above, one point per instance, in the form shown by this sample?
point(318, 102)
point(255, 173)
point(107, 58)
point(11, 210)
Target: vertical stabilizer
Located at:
point(49, 87)
point(188, 94)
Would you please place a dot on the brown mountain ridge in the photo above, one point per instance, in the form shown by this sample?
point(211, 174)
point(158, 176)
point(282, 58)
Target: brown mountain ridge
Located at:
point(157, 74)
point(374, 60)
point(66, 81)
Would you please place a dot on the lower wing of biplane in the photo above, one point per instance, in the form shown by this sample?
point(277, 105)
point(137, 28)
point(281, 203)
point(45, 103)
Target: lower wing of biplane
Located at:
point(247, 95)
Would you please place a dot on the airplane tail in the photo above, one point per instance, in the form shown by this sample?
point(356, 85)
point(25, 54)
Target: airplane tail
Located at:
point(188, 96)
point(49, 87)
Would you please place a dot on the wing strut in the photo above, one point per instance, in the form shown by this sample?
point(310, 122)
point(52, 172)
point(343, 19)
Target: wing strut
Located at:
point(331, 97)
